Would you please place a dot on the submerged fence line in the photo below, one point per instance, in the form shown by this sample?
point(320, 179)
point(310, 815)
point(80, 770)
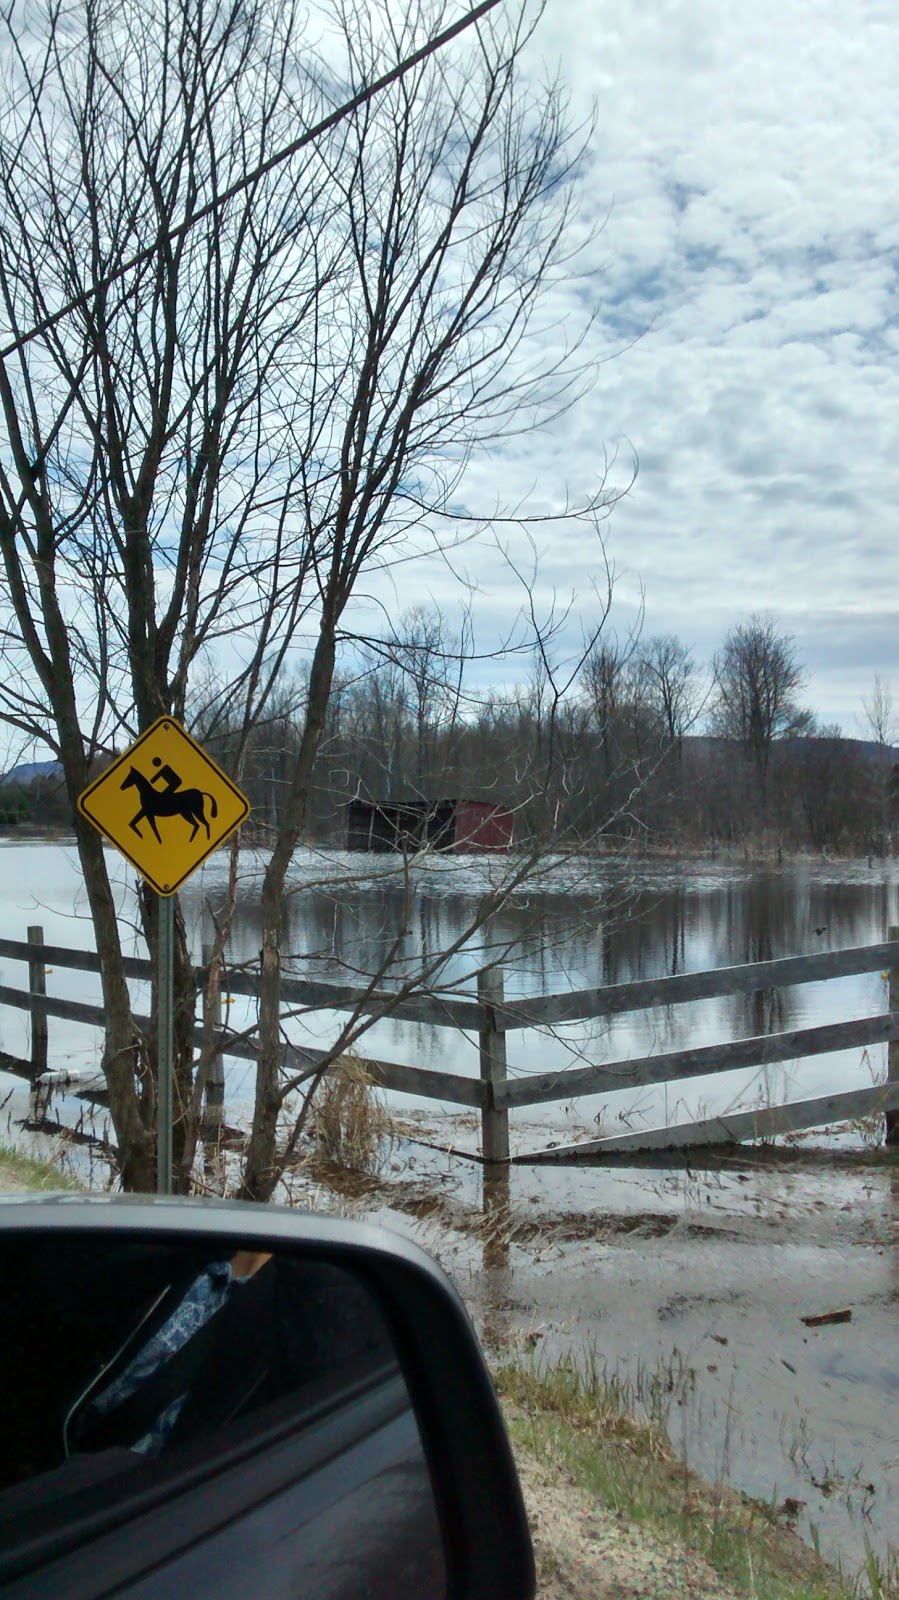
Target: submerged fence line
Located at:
point(491, 1016)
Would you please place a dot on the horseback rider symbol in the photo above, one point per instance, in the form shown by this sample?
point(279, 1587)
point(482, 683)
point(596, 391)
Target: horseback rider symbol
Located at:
point(172, 801)
point(167, 773)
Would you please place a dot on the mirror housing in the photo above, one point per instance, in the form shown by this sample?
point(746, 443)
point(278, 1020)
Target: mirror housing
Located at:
point(486, 1547)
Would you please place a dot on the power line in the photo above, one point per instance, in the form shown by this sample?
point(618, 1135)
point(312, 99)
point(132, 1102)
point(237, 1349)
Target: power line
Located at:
point(395, 73)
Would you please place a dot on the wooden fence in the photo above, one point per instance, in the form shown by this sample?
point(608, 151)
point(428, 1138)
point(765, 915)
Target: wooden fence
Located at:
point(490, 1016)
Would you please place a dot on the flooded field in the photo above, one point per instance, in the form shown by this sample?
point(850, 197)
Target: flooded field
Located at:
point(579, 925)
point(690, 1285)
point(601, 926)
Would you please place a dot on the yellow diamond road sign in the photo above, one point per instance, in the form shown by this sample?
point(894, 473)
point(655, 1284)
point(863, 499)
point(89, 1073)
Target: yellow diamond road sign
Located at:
point(165, 804)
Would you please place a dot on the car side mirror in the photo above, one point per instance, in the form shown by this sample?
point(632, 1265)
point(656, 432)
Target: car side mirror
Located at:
point(208, 1398)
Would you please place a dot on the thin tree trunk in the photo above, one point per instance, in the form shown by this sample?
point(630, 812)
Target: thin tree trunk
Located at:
point(260, 1173)
point(184, 989)
point(124, 1061)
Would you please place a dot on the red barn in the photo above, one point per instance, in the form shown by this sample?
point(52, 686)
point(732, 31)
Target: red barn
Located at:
point(455, 825)
point(482, 825)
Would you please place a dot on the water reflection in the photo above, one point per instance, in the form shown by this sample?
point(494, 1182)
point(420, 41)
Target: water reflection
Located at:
point(767, 1010)
point(608, 929)
point(622, 931)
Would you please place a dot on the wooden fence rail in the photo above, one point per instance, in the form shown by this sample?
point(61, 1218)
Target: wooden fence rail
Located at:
point(442, 1010)
point(764, 1122)
point(646, 993)
point(302, 1061)
point(762, 1050)
point(491, 1016)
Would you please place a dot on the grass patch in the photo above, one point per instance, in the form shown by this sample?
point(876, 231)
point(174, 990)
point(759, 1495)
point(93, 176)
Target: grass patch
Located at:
point(349, 1122)
point(882, 1577)
point(20, 1172)
point(572, 1413)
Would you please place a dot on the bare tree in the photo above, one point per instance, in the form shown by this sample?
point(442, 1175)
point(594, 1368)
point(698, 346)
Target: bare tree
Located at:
point(431, 662)
point(883, 727)
point(454, 196)
point(212, 454)
point(603, 678)
point(757, 676)
point(671, 681)
point(622, 742)
point(378, 714)
point(150, 493)
point(879, 715)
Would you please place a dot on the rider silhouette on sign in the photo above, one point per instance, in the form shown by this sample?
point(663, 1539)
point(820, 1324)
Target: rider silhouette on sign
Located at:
point(168, 775)
point(172, 801)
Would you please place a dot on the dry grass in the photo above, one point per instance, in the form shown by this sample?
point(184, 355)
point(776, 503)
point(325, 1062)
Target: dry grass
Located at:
point(18, 1173)
point(350, 1123)
point(872, 1129)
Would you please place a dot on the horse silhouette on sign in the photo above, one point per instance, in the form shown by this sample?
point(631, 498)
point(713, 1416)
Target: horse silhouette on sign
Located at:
point(171, 802)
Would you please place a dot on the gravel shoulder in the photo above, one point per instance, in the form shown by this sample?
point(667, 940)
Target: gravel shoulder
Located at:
point(585, 1552)
point(615, 1515)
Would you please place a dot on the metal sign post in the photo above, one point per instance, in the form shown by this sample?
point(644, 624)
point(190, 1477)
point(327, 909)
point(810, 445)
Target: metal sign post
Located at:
point(164, 1090)
point(166, 805)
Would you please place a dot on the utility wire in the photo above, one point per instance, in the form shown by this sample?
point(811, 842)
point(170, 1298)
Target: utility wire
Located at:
point(167, 235)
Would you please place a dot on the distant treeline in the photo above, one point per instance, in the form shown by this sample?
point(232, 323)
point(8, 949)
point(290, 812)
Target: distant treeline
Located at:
point(609, 753)
point(615, 762)
point(40, 802)
point(613, 758)
point(821, 792)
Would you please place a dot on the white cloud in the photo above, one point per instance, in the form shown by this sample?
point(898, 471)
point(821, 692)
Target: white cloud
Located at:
point(748, 155)
point(742, 176)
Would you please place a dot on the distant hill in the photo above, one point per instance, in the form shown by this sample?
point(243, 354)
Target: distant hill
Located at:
point(863, 749)
point(29, 771)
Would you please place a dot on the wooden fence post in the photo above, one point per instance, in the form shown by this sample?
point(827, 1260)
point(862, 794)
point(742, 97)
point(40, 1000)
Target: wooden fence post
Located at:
point(37, 987)
point(494, 1123)
point(215, 1082)
point(892, 1117)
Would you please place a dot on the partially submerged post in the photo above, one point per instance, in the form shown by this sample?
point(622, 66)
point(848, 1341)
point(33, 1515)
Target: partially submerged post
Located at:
point(37, 990)
point(494, 1123)
point(497, 1223)
point(893, 1048)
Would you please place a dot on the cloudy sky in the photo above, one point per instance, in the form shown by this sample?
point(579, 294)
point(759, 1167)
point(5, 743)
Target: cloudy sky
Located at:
point(741, 190)
point(746, 160)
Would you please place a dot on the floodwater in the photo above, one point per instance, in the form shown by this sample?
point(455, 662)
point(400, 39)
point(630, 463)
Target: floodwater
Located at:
point(695, 1278)
point(690, 1287)
point(579, 925)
